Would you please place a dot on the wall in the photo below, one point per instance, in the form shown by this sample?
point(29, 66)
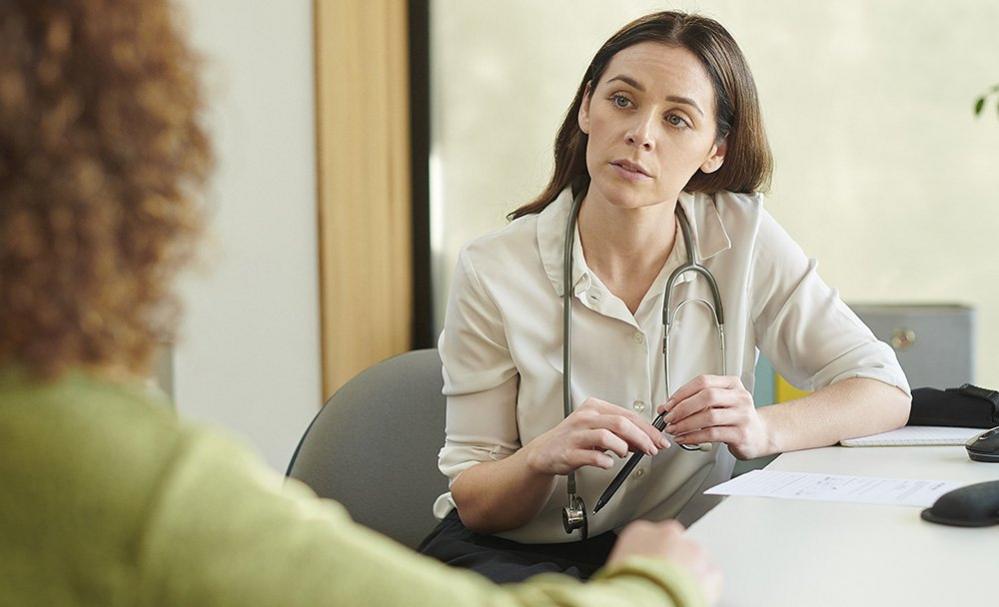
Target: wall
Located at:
point(882, 172)
point(248, 359)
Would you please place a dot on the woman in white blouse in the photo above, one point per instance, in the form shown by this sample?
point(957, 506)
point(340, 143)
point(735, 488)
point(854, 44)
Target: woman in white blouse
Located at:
point(666, 115)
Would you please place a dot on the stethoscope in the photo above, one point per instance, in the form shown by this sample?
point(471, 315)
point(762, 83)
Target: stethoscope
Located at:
point(574, 513)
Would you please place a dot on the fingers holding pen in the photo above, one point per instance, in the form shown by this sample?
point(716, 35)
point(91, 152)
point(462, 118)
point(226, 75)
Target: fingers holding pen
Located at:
point(637, 437)
point(707, 417)
point(602, 439)
point(702, 391)
point(590, 457)
point(715, 385)
point(715, 408)
point(709, 407)
point(588, 435)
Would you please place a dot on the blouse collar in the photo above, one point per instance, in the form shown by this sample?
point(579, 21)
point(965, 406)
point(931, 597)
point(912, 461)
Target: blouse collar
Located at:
point(710, 236)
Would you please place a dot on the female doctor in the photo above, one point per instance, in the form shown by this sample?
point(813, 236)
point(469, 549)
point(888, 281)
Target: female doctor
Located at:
point(665, 127)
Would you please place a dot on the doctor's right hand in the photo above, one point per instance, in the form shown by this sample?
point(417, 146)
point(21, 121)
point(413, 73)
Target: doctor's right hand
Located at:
point(584, 437)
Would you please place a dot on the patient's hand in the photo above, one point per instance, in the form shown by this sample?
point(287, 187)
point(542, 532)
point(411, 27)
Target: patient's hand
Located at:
point(668, 540)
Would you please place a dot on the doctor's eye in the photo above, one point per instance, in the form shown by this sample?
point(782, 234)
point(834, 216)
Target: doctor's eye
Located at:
point(620, 100)
point(677, 121)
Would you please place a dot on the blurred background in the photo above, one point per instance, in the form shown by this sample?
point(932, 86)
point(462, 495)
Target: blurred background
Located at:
point(882, 171)
point(362, 143)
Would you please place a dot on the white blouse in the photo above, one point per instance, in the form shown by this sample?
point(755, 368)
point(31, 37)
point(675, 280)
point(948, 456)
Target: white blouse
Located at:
point(502, 349)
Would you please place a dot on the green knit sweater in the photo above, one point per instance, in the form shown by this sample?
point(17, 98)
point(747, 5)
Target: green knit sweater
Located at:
point(107, 499)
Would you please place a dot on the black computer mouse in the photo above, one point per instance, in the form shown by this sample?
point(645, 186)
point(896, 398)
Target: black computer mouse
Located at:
point(972, 506)
point(985, 446)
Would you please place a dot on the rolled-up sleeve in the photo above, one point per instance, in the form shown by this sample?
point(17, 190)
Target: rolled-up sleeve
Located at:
point(480, 378)
point(812, 338)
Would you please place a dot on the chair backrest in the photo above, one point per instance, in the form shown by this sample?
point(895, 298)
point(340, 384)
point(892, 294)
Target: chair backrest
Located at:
point(373, 446)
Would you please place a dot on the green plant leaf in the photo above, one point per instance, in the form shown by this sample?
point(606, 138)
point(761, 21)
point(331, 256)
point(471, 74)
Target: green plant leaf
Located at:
point(979, 104)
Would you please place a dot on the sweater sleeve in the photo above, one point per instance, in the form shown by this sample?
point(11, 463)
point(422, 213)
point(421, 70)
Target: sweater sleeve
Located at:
point(224, 530)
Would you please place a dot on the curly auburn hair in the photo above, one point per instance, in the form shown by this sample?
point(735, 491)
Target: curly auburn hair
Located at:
point(102, 160)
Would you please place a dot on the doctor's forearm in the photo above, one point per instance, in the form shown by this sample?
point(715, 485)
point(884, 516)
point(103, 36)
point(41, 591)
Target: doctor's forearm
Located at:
point(501, 495)
point(849, 408)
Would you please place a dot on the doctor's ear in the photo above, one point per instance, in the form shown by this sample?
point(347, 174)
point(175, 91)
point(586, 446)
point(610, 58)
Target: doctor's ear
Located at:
point(583, 117)
point(716, 157)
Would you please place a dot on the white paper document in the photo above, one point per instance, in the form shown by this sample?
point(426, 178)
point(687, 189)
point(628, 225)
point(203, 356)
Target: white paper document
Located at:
point(835, 488)
point(915, 435)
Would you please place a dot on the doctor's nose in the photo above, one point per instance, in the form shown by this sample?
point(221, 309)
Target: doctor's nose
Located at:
point(640, 134)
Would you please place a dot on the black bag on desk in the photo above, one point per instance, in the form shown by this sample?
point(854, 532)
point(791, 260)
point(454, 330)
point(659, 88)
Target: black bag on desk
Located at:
point(968, 407)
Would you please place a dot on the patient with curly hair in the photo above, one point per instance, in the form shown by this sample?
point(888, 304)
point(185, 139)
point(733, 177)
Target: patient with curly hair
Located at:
point(107, 498)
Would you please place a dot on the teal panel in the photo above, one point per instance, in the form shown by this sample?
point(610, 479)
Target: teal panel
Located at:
point(763, 391)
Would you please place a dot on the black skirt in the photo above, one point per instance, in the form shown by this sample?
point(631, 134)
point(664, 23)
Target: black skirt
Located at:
point(505, 561)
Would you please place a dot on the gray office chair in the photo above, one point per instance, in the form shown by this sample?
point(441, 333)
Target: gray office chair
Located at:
point(373, 446)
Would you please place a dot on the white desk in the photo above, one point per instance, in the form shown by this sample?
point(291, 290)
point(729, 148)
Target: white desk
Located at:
point(776, 552)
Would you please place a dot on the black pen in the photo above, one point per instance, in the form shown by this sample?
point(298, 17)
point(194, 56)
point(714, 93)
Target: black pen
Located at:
point(615, 484)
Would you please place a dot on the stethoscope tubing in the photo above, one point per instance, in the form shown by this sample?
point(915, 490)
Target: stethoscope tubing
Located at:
point(570, 234)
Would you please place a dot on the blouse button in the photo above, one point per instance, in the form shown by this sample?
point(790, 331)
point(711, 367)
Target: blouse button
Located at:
point(639, 406)
point(639, 337)
point(640, 473)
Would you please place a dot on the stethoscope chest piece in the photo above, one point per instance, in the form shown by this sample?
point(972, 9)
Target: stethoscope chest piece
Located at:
point(574, 516)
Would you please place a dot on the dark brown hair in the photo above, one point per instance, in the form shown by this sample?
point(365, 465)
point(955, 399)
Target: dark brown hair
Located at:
point(102, 157)
point(748, 162)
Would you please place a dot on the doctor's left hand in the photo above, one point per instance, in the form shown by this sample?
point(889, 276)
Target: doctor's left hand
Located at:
point(717, 408)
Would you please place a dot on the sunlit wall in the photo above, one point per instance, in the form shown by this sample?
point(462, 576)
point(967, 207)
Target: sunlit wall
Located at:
point(248, 355)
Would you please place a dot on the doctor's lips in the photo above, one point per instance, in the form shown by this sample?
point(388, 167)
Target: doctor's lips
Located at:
point(635, 170)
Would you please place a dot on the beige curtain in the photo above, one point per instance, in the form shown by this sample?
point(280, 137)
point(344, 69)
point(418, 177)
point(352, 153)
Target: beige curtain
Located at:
point(362, 110)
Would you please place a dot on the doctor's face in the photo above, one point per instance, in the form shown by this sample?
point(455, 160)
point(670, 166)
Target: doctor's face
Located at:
point(651, 126)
